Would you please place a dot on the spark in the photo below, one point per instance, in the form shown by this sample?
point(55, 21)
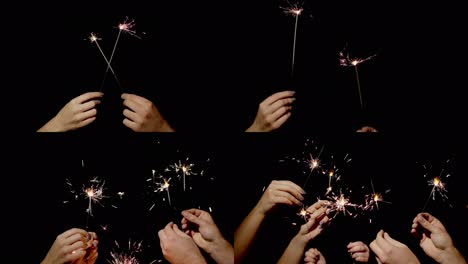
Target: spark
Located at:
point(313, 163)
point(94, 193)
point(185, 168)
point(303, 213)
point(339, 204)
point(127, 256)
point(121, 194)
point(373, 199)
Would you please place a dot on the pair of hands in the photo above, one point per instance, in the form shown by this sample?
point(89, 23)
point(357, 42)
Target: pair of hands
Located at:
point(141, 115)
point(74, 246)
point(358, 250)
point(198, 231)
point(433, 239)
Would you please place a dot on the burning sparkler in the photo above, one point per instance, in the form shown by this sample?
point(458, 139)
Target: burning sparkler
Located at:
point(94, 39)
point(339, 204)
point(126, 27)
point(185, 168)
point(313, 163)
point(127, 256)
point(159, 186)
point(294, 10)
point(437, 187)
point(346, 61)
point(373, 199)
point(94, 194)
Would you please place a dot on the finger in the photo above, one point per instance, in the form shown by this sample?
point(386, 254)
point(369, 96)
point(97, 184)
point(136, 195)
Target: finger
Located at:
point(290, 187)
point(362, 259)
point(424, 223)
point(279, 104)
point(88, 105)
point(132, 105)
point(427, 216)
point(73, 231)
point(130, 124)
point(87, 96)
point(196, 212)
point(317, 205)
point(78, 254)
point(162, 235)
point(381, 241)
point(132, 116)
point(178, 231)
point(85, 115)
point(192, 218)
point(376, 249)
point(280, 112)
point(74, 238)
point(357, 255)
point(275, 97)
point(280, 196)
point(86, 122)
point(136, 98)
point(75, 246)
point(392, 241)
point(357, 248)
point(278, 123)
point(318, 215)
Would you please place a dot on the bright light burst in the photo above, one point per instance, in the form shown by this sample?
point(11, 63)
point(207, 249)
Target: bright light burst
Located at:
point(183, 167)
point(94, 193)
point(127, 256)
point(340, 203)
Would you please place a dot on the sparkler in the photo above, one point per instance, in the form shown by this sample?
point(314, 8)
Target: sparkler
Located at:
point(373, 199)
point(186, 170)
point(94, 194)
point(126, 27)
point(94, 39)
point(346, 61)
point(294, 10)
point(437, 187)
point(121, 257)
point(159, 186)
point(313, 163)
point(339, 204)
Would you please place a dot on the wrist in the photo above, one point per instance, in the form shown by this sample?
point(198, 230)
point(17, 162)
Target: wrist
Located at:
point(452, 256)
point(51, 126)
point(298, 242)
point(221, 251)
point(258, 211)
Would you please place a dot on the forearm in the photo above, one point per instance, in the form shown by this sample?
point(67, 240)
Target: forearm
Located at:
point(50, 126)
point(246, 232)
point(293, 253)
point(222, 252)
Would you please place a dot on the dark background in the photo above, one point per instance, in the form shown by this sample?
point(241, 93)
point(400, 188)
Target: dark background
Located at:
point(391, 163)
point(207, 65)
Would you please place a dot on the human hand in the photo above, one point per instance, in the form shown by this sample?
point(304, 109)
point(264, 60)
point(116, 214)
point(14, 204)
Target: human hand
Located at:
point(79, 112)
point(313, 256)
point(279, 192)
point(273, 112)
point(359, 251)
point(201, 227)
point(91, 250)
point(434, 239)
point(142, 115)
point(68, 247)
point(390, 251)
point(367, 129)
point(317, 221)
point(178, 247)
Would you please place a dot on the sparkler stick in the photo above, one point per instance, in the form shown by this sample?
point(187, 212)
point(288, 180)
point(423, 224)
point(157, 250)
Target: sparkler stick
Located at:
point(94, 39)
point(94, 194)
point(295, 11)
point(126, 27)
point(437, 186)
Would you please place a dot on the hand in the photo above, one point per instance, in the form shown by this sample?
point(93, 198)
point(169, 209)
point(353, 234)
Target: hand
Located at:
point(313, 256)
point(142, 115)
point(317, 221)
point(178, 247)
point(68, 247)
point(91, 251)
point(390, 251)
point(435, 240)
point(79, 112)
point(279, 192)
point(273, 112)
point(367, 129)
point(359, 251)
point(201, 227)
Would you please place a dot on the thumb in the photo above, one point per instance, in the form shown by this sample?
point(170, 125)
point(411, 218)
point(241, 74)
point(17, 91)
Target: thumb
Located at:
point(178, 231)
point(392, 241)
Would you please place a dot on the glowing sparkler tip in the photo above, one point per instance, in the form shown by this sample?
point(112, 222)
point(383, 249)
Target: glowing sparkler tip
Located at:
point(355, 62)
point(437, 181)
point(93, 37)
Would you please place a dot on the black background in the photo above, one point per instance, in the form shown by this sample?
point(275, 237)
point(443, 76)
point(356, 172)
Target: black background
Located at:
point(207, 65)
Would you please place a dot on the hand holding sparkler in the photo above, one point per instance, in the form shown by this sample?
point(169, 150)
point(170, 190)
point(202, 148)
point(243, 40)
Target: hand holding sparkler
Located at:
point(389, 251)
point(359, 251)
point(313, 256)
point(178, 247)
point(273, 112)
point(79, 112)
point(68, 247)
point(314, 226)
point(279, 192)
point(142, 115)
point(201, 227)
point(435, 240)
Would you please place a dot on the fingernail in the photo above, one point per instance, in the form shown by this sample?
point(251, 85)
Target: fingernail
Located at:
point(293, 99)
